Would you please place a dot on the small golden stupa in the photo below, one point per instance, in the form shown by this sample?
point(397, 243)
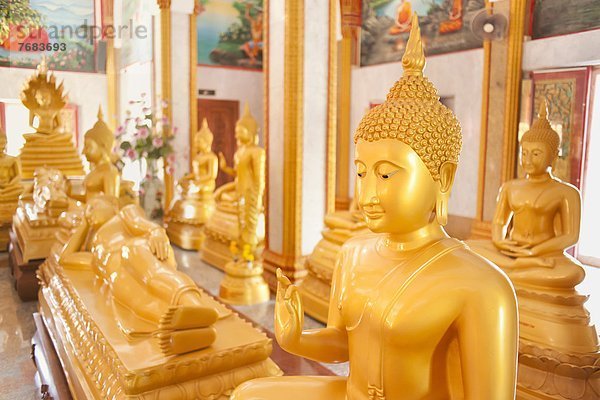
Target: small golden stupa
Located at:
point(48, 147)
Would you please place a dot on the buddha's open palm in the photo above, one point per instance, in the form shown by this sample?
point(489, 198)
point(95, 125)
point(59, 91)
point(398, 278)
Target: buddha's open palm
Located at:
point(289, 313)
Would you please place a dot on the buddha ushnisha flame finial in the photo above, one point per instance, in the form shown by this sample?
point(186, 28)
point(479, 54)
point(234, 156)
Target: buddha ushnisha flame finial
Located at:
point(413, 60)
point(413, 113)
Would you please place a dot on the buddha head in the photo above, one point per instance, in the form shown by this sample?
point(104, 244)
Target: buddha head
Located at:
point(100, 209)
point(407, 152)
point(99, 141)
point(246, 129)
point(203, 139)
point(539, 145)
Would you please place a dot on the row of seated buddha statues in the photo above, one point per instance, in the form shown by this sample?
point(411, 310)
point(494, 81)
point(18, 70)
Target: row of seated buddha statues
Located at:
point(127, 324)
point(417, 314)
point(537, 219)
point(36, 221)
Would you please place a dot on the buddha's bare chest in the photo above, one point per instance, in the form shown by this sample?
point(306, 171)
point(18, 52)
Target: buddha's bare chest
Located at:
point(535, 199)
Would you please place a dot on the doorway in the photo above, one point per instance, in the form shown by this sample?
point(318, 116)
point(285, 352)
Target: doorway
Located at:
point(221, 116)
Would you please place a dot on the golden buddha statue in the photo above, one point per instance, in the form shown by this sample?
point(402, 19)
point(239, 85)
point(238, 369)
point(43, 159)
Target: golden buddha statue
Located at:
point(10, 190)
point(238, 220)
point(417, 314)
point(104, 177)
point(537, 218)
point(47, 147)
point(128, 324)
point(194, 202)
point(340, 226)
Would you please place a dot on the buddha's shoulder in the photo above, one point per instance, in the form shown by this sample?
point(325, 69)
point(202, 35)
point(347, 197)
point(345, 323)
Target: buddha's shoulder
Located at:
point(564, 187)
point(471, 267)
point(362, 241)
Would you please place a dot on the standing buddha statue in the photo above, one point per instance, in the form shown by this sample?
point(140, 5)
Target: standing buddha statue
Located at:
point(10, 190)
point(194, 203)
point(238, 221)
point(537, 219)
point(416, 313)
point(48, 146)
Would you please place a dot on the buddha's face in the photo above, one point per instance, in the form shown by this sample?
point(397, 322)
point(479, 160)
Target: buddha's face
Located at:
point(43, 97)
point(535, 158)
point(243, 135)
point(204, 145)
point(394, 187)
point(93, 153)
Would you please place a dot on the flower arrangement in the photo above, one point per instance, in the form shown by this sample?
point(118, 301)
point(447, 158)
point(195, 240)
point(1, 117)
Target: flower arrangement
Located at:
point(147, 136)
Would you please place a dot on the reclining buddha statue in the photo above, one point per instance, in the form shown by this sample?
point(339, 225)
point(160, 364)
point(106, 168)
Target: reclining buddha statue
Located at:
point(194, 203)
point(237, 224)
point(537, 218)
point(340, 226)
point(10, 190)
point(416, 313)
point(127, 323)
point(48, 147)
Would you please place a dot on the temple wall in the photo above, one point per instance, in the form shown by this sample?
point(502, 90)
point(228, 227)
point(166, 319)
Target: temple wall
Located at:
point(458, 77)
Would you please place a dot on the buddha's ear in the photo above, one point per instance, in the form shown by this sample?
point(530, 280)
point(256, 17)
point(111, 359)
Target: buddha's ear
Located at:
point(447, 174)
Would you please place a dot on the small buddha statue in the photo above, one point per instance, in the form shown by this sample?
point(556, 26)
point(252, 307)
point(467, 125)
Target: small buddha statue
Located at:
point(131, 254)
point(238, 217)
point(104, 177)
point(537, 219)
point(417, 314)
point(194, 203)
point(10, 189)
point(48, 146)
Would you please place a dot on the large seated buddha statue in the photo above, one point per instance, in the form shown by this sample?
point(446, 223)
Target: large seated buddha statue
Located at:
point(194, 203)
point(128, 324)
point(10, 190)
point(537, 219)
point(237, 224)
point(416, 313)
point(340, 226)
point(48, 147)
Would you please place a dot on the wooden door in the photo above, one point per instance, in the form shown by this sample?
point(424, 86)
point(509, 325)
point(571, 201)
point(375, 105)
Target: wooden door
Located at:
point(221, 116)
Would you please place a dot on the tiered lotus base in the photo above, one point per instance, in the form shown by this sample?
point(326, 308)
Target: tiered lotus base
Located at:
point(220, 230)
point(185, 222)
point(316, 287)
point(101, 363)
point(244, 284)
point(55, 151)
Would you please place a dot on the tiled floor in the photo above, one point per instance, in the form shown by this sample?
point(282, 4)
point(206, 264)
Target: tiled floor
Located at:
point(17, 328)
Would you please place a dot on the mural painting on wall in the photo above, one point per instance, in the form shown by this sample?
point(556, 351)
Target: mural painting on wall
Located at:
point(59, 30)
point(230, 33)
point(559, 17)
point(445, 27)
point(136, 48)
point(565, 94)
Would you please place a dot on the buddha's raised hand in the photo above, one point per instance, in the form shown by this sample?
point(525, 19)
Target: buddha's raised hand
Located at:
point(289, 314)
point(222, 161)
point(159, 243)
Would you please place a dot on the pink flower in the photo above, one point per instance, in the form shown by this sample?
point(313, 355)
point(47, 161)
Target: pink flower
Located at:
point(146, 110)
point(157, 142)
point(171, 158)
point(130, 153)
point(174, 130)
point(143, 94)
point(164, 104)
point(143, 132)
point(170, 170)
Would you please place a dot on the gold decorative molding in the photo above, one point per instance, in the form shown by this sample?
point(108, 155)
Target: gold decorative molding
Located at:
point(193, 78)
point(332, 108)
point(165, 62)
point(516, 30)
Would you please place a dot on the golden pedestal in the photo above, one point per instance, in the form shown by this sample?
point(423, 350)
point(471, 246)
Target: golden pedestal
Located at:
point(7, 210)
point(316, 287)
point(185, 221)
point(243, 284)
point(220, 230)
point(55, 151)
point(101, 363)
point(35, 233)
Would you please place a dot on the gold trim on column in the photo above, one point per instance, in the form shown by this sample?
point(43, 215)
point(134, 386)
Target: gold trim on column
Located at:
point(193, 78)
point(332, 92)
point(266, 6)
point(513, 81)
point(165, 55)
point(293, 123)
point(343, 143)
point(112, 76)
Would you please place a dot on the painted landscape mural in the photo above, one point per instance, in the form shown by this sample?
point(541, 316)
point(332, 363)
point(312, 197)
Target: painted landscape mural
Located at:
point(59, 30)
point(230, 33)
point(559, 17)
point(445, 27)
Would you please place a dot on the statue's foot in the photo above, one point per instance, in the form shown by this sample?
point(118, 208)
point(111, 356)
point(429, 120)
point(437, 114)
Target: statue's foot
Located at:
point(184, 341)
point(187, 317)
